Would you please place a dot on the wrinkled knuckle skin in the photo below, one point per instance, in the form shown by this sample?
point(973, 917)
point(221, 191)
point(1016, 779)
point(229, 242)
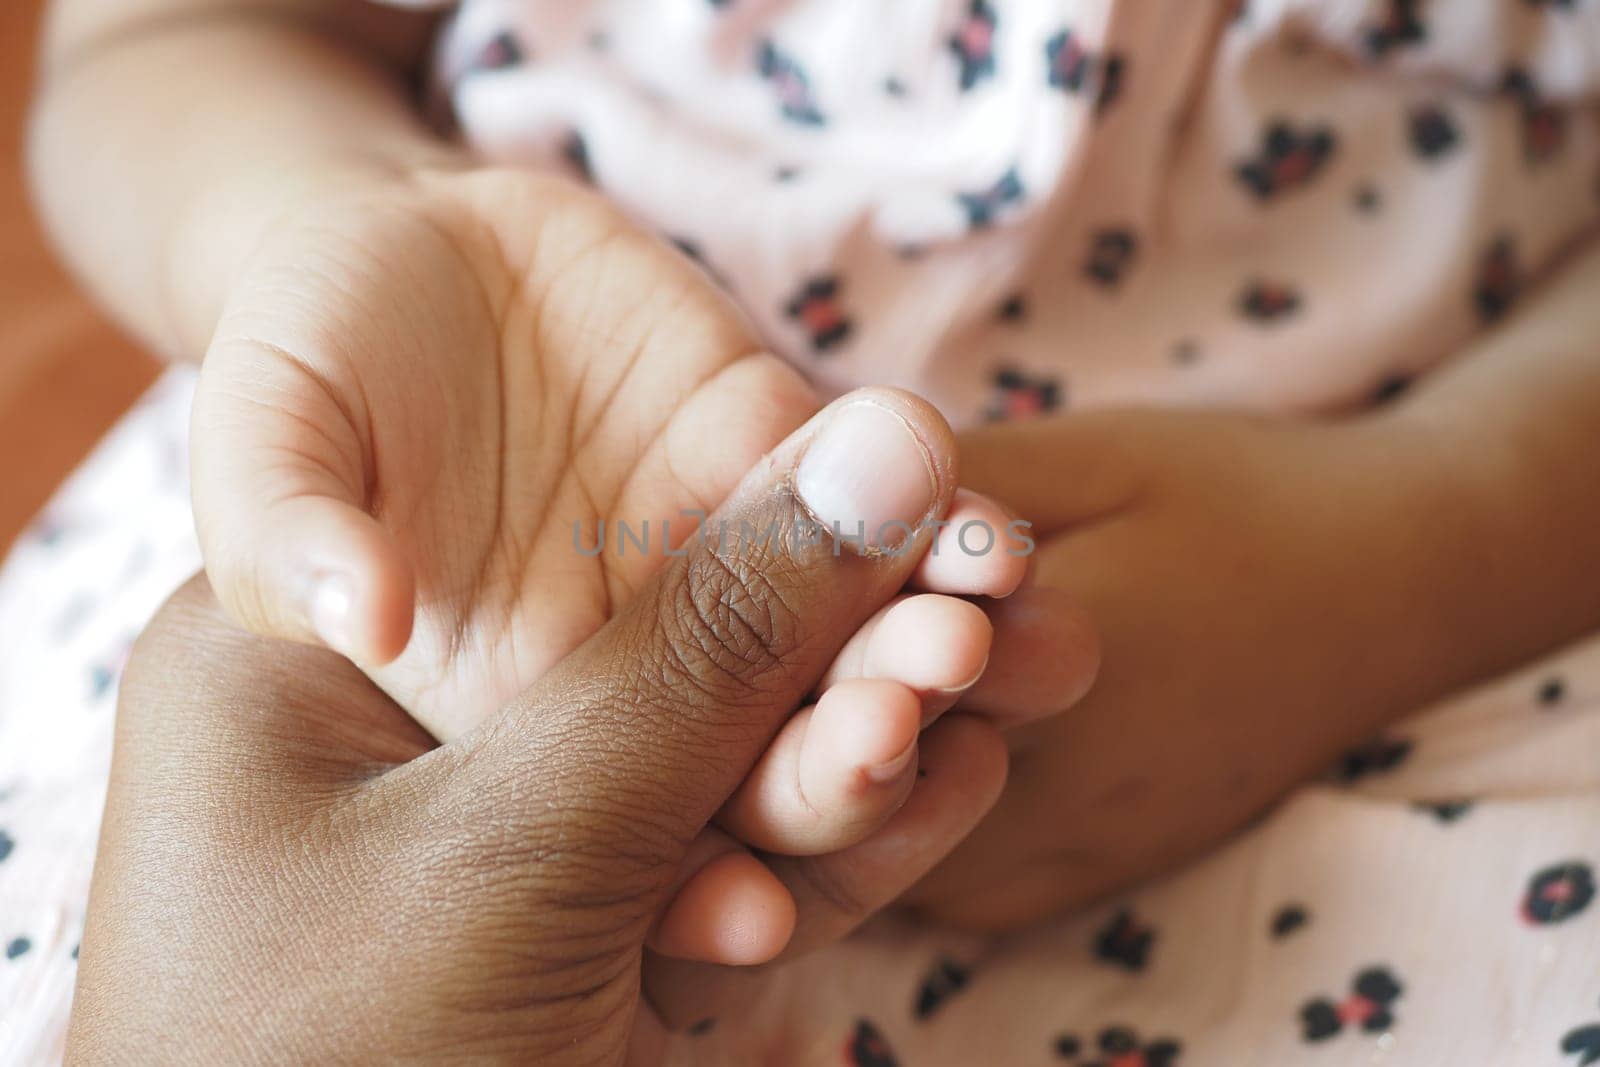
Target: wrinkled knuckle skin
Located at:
point(731, 619)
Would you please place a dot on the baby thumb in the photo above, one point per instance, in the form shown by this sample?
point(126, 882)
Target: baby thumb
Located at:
point(279, 474)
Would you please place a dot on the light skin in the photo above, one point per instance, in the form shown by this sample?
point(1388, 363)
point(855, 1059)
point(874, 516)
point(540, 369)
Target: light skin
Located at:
point(1269, 590)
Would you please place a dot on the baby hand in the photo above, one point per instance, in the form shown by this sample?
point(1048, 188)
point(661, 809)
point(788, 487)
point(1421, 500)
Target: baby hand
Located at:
point(418, 388)
point(425, 396)
point(1255, 583)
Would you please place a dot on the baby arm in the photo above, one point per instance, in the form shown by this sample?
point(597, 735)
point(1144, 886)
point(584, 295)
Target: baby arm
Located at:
point(1271, 591)
point(168, 135)
point(1512, 431)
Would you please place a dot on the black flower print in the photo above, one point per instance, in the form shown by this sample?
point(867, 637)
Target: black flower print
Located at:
point(1111, 254)
point(1369, 1005)
point(1445, 811)
point(867, 1048)
point(1378, 756)
point(1287, 920)
point(1583, 1042)
point(1544, 126)
point(1268, 302)
point(1067, 62)
point(1400, 27)
point(1288, 158)
point(982, 207)
point(972, 43)
point(1433, 132)
point(7, 843)
point(1118, 1046)
point(817, 309)
point(1498, 280)
point(1125, 942)
point(788, 80)
point(17, 946)
point(1072, 68)
point(1022, 396)
point(944, 980)
point(501, 52)
point(1557, 893)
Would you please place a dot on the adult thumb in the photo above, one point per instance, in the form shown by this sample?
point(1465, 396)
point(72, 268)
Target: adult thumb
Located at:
point(642, 733)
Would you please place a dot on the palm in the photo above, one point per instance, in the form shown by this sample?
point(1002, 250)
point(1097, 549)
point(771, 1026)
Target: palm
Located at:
point(483, 361)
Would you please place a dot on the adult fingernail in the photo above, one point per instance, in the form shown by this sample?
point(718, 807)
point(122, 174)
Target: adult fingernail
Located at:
point(866, 476)
point(332, 601)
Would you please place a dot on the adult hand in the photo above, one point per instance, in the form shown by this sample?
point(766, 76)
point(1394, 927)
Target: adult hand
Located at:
point(290, 871)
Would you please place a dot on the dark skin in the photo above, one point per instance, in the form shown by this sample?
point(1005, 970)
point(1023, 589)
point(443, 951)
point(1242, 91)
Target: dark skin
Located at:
point(291, 871)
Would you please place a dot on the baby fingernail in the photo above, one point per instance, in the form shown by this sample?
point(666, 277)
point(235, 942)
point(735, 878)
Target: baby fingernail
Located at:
point(884, 773)
point(867, 477)
point(957, 690)
point(332, 601)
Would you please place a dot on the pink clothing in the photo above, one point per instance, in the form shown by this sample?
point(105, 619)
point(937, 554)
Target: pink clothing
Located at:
point(1016, 208)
